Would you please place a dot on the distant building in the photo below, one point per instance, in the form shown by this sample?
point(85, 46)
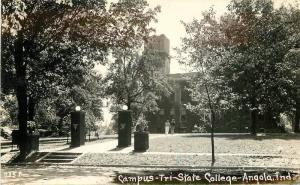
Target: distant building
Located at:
point(175, 105)
point(161, 44)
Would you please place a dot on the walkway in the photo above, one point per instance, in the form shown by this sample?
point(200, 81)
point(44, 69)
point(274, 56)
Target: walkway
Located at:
point(99, 146)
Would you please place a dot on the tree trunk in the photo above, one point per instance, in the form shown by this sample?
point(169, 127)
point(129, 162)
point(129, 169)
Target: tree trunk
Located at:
point(270, 122)
point(213, 119)
point(297, 117)
point(253, 121)
point(21, 93)
point(60, 125)
point(31, 108)
point(128, 105)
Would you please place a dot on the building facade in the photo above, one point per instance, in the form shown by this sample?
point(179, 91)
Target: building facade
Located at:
point(174, 107)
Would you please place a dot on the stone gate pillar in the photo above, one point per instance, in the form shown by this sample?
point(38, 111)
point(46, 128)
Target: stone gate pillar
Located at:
point(124, 128)
point(77, 128)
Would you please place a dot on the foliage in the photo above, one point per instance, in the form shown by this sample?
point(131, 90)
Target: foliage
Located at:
point(87, 95)
point(46, 115)
point(142, 124)
point(8, 112)
point(261, 36)
point(32, 127)
point(48, 49)
point(203, 51)
point(48, 45)
point(245, 53)
point(136, 82)
point(133, 78)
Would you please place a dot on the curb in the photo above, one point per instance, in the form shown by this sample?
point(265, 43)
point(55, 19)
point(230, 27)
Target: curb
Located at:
point(163, 167)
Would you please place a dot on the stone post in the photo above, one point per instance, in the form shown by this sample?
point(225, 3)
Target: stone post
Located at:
point(124, 128)
point(77, 128)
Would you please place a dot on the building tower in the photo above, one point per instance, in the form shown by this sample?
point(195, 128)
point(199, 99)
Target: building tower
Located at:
point(161, 43)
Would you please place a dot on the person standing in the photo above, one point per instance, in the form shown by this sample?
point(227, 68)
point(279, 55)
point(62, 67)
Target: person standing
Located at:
point(172, 126)
point(167, 127)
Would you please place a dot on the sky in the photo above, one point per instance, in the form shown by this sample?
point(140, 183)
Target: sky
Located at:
point(175, 11)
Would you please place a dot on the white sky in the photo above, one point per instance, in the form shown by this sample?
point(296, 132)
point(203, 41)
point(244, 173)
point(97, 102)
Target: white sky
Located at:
point(175, 11)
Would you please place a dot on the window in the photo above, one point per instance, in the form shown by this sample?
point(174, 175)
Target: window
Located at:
point(183, 111)
point(172, 111)
point(183, 118)
point(161, 112)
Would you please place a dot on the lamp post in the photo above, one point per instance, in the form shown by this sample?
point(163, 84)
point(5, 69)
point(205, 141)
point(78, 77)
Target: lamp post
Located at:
point(77, 108)
point(77, 127)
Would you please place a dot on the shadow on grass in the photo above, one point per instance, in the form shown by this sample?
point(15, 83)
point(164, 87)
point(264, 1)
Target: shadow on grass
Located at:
point(215, 135)
point(266, 137)
point(67, 148)
point(248, 136)
point(49, 175)
point(118, 149)
point(28, 159)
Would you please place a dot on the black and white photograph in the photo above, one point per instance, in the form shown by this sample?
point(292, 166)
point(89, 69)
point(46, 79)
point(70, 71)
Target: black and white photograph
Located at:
point(113, 92)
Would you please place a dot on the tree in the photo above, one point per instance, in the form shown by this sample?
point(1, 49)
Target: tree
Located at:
point(135, 80)
point(36, 32)
point(240, 60)
point(202, 50)
point(131, 79)
point(259, 37)
point(87, 95)
point(42, 41)
point(251, 41)
point(292, 57)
